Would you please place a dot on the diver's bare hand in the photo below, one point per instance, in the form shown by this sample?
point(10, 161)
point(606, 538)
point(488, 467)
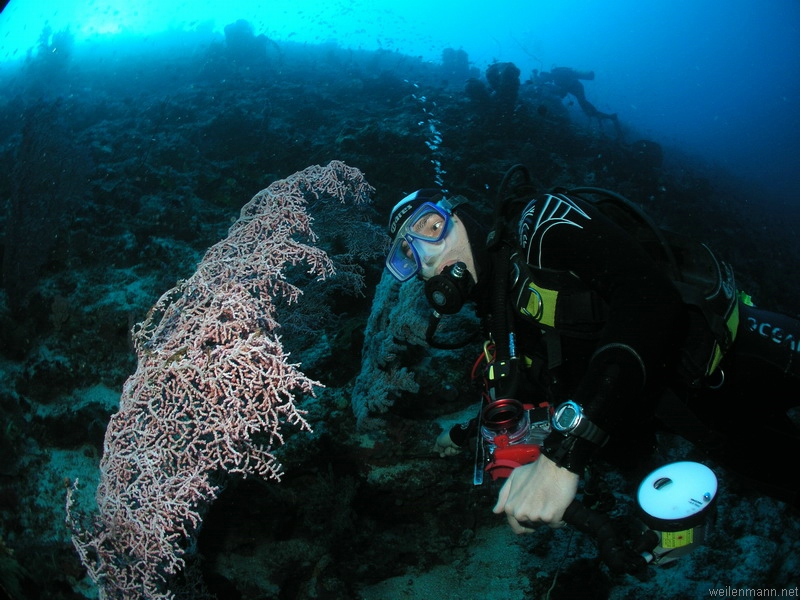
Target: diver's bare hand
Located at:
point(535, 493)
point(445, 446)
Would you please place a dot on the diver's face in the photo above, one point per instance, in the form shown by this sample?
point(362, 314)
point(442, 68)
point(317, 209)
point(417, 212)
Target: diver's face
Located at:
point(452, 248)
point(430, 240)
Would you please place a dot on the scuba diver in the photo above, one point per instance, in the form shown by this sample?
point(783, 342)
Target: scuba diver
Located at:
point(566, 80)
point(618, 328)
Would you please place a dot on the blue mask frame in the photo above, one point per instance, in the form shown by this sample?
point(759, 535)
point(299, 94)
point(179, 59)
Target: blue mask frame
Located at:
point(403, 260)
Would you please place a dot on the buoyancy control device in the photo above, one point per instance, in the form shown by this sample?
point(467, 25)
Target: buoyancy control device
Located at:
point(706, 283)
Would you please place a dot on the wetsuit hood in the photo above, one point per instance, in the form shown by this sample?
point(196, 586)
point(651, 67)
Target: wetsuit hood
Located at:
point(477, 232)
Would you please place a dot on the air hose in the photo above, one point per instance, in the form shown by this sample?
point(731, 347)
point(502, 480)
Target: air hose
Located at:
point(611, 547)
point(505, 363)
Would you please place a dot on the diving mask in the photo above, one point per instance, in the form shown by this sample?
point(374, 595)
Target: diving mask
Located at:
point(419, 241)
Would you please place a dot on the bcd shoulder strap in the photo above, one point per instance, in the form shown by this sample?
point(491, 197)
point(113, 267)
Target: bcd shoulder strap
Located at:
point(705, 283)
point(558, 301)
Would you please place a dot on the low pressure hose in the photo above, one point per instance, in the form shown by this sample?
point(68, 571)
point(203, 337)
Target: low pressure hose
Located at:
point(610, 545)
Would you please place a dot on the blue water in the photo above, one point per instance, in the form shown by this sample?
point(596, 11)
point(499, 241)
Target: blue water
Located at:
point(145, 165)
point(719, 79)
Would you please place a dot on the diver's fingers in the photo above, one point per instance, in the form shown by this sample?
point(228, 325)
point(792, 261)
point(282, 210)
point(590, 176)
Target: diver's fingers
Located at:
point(502, 497)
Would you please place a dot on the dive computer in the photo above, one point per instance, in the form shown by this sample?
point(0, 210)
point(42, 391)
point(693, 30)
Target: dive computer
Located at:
point(569, 419)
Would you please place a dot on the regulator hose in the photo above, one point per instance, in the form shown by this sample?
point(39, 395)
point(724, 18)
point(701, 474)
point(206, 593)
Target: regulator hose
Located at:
point(505, 361)
point(610, 544)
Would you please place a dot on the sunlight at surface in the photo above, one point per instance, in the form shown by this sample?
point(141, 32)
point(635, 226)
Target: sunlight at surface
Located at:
point(412, 26)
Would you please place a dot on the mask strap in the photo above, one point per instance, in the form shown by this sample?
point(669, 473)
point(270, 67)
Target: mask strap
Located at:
point(450, 204)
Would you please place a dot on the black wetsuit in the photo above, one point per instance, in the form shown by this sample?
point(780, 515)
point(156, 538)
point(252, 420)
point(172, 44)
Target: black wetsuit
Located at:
point(624, 375)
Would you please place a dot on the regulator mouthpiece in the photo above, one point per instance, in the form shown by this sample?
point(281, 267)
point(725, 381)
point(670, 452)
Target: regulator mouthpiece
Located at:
point(448, 292)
